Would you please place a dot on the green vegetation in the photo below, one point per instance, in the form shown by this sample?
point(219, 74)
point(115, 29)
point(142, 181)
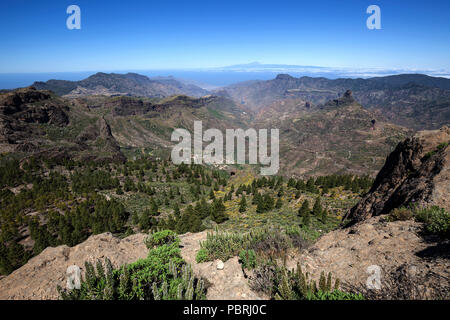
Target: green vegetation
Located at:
point(440, 147)
point(54, 202)
point(160, 238)
point(202, 256)
point(163, 275)
point(248, 258)
point(400, 214)
point(270, 241)
point(50, 202)
point(436, 220)
point(283, 284)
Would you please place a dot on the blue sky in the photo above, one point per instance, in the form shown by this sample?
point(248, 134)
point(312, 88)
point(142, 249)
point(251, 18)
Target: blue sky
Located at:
point(134, 35)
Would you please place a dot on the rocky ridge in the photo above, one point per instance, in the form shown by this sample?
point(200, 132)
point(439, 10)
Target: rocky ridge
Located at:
point(416, 172)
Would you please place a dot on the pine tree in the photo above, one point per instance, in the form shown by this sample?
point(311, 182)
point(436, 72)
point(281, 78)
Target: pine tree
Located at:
point(268, 202)
point(154, 209)
point(218, 211)
point(306, 218)
point(317, 208)
point(324, 215)
point(243, 205)
point(145, 221)
point(304, 212)
point(176, 211)
point(260, 207)
point(304, 208)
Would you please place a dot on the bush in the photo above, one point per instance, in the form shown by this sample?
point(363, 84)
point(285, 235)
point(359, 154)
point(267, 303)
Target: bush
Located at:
point(248, 258)
point(202, 256)
point(267, 241)
point(162, 275)
point(401, 284)
point(334, 295)
point(436, 220)
point(400, 214)
point(283, 284)
point(263, 279)
point(159, 238)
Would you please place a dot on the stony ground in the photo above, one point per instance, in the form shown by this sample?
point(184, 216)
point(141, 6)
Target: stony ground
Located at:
point(346, 253)
point(39, 277)
point(227, 283)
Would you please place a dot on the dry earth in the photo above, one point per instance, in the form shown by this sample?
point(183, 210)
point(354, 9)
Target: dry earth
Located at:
point(346, 253)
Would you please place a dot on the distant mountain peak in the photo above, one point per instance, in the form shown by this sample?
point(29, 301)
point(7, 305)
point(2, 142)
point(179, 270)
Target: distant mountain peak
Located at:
point(130, 83)
point(345, 100)
point(284, 76)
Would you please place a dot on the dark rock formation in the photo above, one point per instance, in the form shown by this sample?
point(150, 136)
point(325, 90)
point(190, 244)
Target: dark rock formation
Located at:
point(283, 76)
point(345, 100)
point(417, 171)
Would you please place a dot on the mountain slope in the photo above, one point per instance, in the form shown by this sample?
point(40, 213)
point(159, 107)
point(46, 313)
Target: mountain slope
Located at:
point(339, 136)
point(416, 172)
point(100, 128)
point(121, 84)
point(38, 122)
point(416, 101)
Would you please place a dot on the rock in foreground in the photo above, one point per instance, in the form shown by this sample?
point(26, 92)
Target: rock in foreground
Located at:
point(416, 172)
point(38, 279)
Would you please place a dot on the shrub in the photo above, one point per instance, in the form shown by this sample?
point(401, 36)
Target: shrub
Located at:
point(248, 258)
point(400, 284)
point(268, 241)
point(400, 214)
point(202, 256)
point(334, 295)
point(442, 146)
point(283, 284)
point(263, 279)
point(159, 238)
point(436, 220)
point(162, 275)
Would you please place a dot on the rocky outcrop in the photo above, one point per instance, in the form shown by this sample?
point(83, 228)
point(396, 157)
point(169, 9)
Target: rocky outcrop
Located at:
point(226, 280)
point(17, 98)
point(417, 171)
point(20, 109)
point(32, 106)
point(39, 278)
point(345, 100)
point(110, 143)
point(347, 253)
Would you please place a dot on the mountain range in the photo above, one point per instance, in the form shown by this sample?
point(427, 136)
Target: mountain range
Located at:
point(412, 100)
point(132, 84)
point(339, 136)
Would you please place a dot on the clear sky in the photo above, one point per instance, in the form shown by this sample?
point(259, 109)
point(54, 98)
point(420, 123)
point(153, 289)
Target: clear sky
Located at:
point(127, 34)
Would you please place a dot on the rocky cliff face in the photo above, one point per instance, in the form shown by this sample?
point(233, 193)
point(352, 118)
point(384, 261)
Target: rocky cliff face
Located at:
point(334, 138)
point(38, 122)
point(417, 171)
point(348, 253)
point(38, 279)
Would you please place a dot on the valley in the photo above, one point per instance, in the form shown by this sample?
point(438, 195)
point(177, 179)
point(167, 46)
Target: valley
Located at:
point(86, 166)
